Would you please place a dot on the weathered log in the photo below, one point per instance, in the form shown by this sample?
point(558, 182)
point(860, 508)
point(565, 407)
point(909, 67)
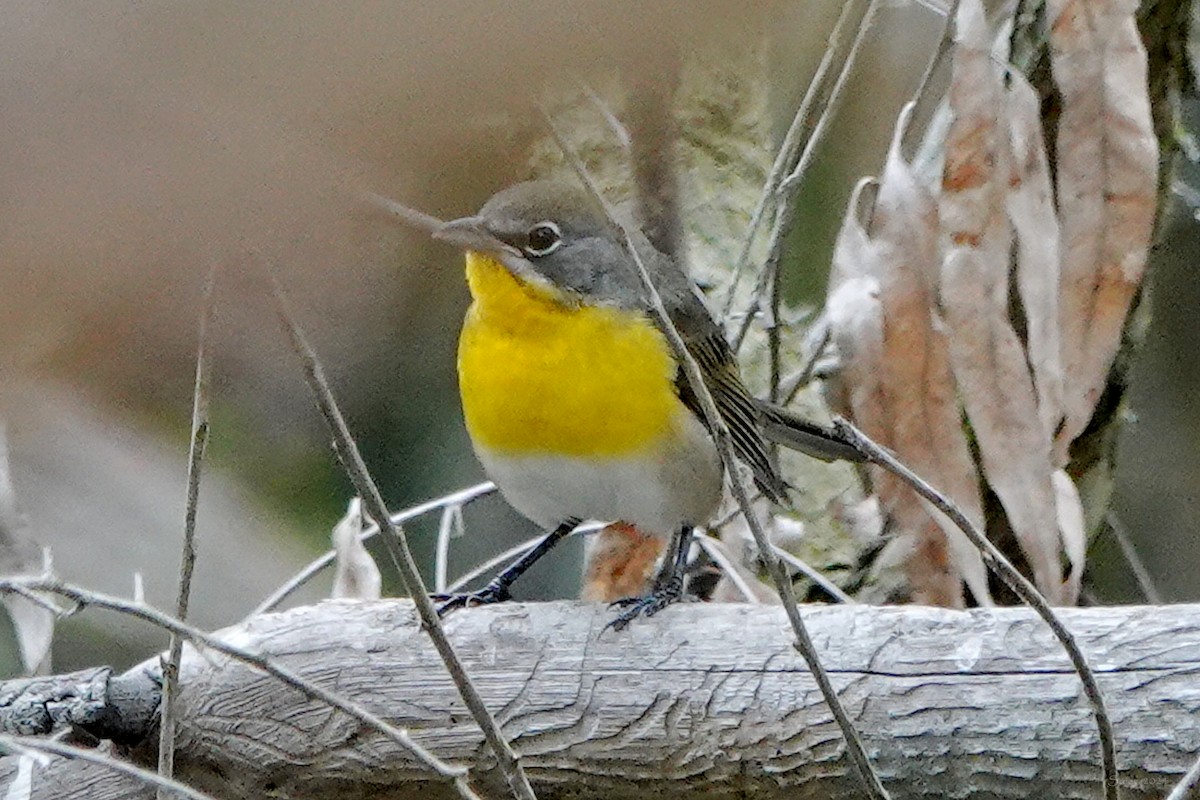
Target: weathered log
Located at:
point(701, 701)
point(119, 708)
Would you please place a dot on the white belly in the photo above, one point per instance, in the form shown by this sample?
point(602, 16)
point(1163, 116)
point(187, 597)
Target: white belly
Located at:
point(676, 483)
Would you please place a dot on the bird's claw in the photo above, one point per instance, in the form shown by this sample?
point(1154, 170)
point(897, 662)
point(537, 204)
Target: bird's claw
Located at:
point(485, 596)
point(646, 605)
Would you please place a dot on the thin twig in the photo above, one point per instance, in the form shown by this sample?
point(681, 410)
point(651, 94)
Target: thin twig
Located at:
point(1144, 579)
point(1186, 788)
point(610, 119)
point(805, 375)
point(803, 567)
point(409, 216)
point(721, 437)
point(41, 602)
point(81, 598)
point(187, 559)
point(775, 346)
point(831, 104)
point(786, 155)
point(460, 498)
point(514, 552)
point(810, 572)
point(923, 95)
point(786, 194)
point(1012, 578)
point(32, 748)
point(495, 561)
point(936, 6)
point(449, 526)
point(716, 551)
point(397, 545)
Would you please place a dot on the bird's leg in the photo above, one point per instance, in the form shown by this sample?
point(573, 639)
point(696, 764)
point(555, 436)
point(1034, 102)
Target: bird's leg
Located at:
point(668, 586)
point(668, 567)
point(496, 590)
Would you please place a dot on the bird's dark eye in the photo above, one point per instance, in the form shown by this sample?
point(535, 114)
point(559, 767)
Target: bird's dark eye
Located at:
point(544, 239)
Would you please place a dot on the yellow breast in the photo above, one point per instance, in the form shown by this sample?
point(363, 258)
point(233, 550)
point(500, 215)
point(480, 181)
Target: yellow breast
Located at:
point(540, 375)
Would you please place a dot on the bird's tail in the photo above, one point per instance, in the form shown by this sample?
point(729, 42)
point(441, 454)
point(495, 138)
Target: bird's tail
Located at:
point(790, 430)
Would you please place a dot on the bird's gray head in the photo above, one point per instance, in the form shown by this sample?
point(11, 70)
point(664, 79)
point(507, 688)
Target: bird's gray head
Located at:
point(552, 233)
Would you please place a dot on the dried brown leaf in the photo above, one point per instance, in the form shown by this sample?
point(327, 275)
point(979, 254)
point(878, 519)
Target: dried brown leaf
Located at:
point(989, 362)
point(855, 319)
point(737, 557)
point(1107, 175)
point(917, 389)
point(855, 314)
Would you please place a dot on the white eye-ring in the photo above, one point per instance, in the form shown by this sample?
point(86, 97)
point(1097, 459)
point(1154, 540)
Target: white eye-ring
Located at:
point(543, 239)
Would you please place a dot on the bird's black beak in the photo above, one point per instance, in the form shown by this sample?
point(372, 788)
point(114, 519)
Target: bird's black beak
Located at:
point(471, 233)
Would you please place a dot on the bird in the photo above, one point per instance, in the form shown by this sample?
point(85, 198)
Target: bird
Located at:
point(574, 402)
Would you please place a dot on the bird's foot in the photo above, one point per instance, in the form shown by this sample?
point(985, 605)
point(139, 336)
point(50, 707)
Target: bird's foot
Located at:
point(492, 593)
point(647, 605)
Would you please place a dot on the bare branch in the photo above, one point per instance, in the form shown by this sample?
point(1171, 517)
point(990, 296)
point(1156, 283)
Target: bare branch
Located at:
point(1186, 787)
point(807, 570)
point(511, 553)
point(702, 700)
point(409, 216)
point(610, 119)
point(85, 701)
point(786, 192)
point(397, 545)
point(716, 551)
point(793, 385)
point(853, 12)
point(199, 439)
point(449, 527)
point(39, 601)
point(1144, 579)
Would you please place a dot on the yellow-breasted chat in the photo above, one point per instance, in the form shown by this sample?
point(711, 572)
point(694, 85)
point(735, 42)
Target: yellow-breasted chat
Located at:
point(572, 397)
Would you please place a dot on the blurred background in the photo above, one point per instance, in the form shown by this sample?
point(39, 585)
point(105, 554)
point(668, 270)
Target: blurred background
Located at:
point(146, 141)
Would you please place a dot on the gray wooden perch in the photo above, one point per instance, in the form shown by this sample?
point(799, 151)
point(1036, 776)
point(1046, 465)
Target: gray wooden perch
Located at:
point(704, 700)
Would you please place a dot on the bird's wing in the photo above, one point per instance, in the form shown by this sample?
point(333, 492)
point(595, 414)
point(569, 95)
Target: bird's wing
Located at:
point(705, 340)
point(734, 404)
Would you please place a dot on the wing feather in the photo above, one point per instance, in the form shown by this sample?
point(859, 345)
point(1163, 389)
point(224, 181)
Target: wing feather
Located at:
point(736, 407)
point(705, 340)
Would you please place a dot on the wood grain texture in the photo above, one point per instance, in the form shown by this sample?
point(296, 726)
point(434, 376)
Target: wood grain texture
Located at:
point(703, 700)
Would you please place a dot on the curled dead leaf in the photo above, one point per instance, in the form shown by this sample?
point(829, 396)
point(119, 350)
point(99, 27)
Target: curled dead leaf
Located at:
point(895, 363)
point(355, 573)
